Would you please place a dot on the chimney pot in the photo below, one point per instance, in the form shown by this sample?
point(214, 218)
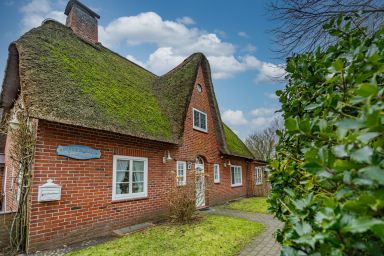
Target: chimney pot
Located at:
point(82, 21)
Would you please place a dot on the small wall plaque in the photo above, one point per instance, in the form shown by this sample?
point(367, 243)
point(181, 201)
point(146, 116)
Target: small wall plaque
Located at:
point(189, 166)
point(49, 192)
point(79, 152)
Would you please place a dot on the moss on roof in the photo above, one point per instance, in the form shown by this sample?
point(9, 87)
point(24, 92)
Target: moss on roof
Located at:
point(112, 93)
point(235, 145)
point(174, 90)
point(68, 80)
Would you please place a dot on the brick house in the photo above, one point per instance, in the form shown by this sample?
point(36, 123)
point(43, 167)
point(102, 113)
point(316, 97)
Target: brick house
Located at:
point(147, 129)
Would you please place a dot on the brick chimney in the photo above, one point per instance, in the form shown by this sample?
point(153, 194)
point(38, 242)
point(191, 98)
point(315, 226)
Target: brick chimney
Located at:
point(82, 21)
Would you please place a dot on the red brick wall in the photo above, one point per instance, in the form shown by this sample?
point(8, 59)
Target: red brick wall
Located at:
point(86, 209)
point(83, 24)
point(197, 143)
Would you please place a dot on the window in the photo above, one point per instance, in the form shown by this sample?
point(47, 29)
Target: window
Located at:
point(216, 173)
point(199, 120)
point(259, 175)
point(181, 176)
point(130, 177)
point(236, 176)
point(199, 88)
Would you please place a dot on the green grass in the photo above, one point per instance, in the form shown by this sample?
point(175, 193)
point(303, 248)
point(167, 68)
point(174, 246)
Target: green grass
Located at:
point(214, 235)
point(254, 204)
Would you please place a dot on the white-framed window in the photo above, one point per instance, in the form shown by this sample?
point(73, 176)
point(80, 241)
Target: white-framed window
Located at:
point(216, 173)
point(181, 175)
point(236, 176)
point(130, 177)
point(259, 175)
point(199, 120)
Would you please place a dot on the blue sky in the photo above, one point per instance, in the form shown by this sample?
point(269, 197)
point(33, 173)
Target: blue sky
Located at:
point(160, 34)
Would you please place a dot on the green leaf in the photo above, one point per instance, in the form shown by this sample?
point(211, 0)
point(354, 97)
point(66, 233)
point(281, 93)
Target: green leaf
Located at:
point(361, 225)
point(367, 89)
point(366, 137)
point(362, 155)
point(303, 228)
point(374, 173)
point(379, 231)
point(291, 124)
point(350, 124)
point(339, 151)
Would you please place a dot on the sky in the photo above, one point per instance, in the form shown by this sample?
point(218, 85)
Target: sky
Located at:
point(158, 35)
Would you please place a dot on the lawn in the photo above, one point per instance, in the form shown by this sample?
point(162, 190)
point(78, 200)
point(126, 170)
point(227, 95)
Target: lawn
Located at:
point(253, 204)
point(213, 235)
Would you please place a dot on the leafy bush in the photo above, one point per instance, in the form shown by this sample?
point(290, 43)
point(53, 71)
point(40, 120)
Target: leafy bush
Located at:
point(328, 179)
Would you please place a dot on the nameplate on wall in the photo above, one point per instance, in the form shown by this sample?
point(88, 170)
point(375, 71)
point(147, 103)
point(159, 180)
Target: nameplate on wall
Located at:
point(78, 152)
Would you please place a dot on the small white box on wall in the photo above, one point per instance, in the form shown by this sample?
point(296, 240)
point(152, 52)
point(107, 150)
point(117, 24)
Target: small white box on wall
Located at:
point(49, 192)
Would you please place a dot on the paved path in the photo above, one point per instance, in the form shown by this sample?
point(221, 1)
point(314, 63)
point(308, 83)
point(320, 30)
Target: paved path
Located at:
point(262, 245)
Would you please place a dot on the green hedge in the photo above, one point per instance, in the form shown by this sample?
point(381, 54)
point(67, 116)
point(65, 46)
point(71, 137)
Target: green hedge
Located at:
point(328, 179)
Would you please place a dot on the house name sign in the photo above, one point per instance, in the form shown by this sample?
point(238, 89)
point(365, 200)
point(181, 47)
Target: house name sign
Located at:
point(78, 152)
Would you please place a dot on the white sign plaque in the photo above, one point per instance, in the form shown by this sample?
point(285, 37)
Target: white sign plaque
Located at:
point(49, 192)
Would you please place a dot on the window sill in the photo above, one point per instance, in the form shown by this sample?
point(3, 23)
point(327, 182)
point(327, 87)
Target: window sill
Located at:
point(200, 130)
point(217, 182)
point(258, 184)
point(237, 185)
point(122, 200)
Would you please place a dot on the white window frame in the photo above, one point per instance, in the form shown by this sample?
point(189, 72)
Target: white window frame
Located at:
point(216, 178)
point(193, 120)
point(183, 181)
point(241, 176)
point(259, 175)
point(131, 195)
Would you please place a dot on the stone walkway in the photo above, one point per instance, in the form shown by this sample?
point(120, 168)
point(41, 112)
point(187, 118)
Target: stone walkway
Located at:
point(262, 245)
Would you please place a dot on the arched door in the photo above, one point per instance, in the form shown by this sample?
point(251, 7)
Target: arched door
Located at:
point(200, 186)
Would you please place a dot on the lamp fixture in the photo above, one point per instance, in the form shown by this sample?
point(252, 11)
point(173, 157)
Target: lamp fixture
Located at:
point(167, 156)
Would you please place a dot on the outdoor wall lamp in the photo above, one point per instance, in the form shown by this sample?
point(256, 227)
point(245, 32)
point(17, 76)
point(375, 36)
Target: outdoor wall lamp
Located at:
point(227, 163)
point(167, 157)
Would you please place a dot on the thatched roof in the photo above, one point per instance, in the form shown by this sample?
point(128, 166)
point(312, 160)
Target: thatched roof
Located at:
point(67, 80)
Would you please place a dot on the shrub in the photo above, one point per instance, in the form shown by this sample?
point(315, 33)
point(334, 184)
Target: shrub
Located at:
point(182, 203)
point(328, 178)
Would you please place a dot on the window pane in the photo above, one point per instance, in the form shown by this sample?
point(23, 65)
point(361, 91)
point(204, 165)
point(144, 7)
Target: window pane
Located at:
point(122, 188)
point(203, 121)
point(122, 177)
point(196, 118)
point(138, 166)
point(137, 176)
point(122, 165)
point(233, 175)
point(138, 187)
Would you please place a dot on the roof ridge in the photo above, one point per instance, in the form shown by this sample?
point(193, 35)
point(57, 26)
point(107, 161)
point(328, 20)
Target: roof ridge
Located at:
point(184, 62)
point(97, 45)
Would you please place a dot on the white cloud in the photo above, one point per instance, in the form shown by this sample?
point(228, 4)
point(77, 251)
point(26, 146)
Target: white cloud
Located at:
point(133, 59)
point(269, 72)
point(250, 48)
point(243, 34)
point(263, 117)
point(257, 112)
point(186, 20)
point(175, 42)
point(234, 117)
point(36, 11)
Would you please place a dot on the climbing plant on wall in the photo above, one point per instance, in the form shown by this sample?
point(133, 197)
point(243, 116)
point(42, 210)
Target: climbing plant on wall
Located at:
point(328, 178)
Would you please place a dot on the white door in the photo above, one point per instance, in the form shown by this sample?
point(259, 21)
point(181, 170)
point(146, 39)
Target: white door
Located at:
point(200, 186)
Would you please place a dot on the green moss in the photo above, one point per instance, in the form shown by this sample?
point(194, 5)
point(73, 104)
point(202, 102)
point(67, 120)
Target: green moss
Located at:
point(253, 204)
point(215, 235)
point(69, 79)
point(235, 145)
